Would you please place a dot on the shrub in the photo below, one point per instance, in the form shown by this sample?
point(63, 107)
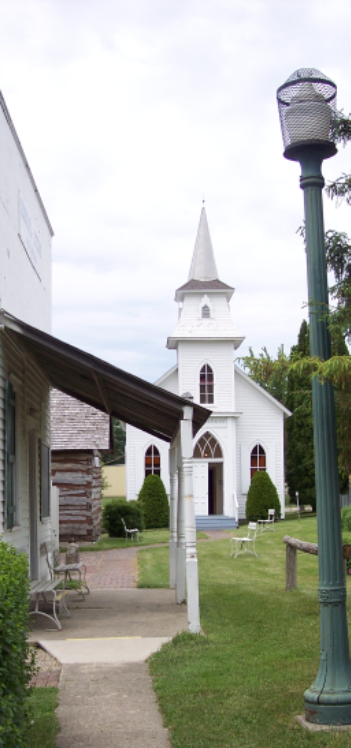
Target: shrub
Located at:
point(262, 495)
point(154, 502)
point(115, 510)
point(16, 663)
point(346, 519)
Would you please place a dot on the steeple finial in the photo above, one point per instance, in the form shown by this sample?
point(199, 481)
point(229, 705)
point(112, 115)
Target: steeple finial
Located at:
point(203, 265)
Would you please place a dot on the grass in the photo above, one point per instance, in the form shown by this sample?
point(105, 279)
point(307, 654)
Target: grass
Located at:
point(147, 537)
point(42, 733)
point(241, 684)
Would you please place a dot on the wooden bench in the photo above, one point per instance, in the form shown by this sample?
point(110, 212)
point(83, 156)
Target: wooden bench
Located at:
point(41, 592)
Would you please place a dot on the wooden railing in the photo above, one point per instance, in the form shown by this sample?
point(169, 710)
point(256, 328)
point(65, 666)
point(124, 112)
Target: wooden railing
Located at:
point(292, 546)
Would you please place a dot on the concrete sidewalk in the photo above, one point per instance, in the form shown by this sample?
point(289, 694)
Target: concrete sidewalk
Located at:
point(106, 694)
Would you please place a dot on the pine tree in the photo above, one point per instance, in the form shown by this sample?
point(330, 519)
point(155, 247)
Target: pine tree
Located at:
point(299, 455)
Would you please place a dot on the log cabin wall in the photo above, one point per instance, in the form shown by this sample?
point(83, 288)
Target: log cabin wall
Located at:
point(78, 476)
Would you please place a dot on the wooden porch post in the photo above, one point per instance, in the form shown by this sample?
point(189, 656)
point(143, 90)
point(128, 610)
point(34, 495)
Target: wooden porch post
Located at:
point(173, 500)
point(180, 576)
point(192, 577)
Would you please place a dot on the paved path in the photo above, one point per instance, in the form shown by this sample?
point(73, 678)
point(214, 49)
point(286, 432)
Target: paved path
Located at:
point(118, 569)
point(108, 570)
point(116, 707)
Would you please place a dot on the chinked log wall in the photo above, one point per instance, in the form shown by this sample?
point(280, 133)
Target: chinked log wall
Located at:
point(79, 481)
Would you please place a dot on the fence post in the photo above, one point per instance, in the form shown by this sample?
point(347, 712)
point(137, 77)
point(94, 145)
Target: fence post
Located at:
point(291, 567)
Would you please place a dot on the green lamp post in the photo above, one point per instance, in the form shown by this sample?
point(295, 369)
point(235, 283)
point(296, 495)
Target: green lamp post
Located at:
point(307, 102)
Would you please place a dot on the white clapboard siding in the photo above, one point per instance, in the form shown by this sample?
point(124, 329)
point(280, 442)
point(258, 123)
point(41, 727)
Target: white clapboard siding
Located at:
point(219, 355)
point(261, 422)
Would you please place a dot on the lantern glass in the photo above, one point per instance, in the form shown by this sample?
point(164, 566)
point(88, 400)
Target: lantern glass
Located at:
point(307, 104)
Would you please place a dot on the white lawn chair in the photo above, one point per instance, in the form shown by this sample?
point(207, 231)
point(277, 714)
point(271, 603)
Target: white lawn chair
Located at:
point(134, 533)
point(267, 524)
point(244, 544)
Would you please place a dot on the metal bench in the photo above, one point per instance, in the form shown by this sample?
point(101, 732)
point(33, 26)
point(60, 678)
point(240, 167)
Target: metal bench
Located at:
point(41, 592)
point(246, 543)
point(57, 569)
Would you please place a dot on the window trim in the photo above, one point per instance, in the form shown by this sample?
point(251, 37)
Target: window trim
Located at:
point(45, 481)
point(11, 503)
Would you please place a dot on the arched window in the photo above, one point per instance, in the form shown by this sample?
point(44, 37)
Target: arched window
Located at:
point(207, 447)
point(206, 384)
point(205, 311)
point(152, 461)
point(258, 460)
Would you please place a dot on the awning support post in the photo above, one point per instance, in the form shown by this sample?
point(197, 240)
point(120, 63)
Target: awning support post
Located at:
point(173, 500)
point(192, 576)
point(180, 578)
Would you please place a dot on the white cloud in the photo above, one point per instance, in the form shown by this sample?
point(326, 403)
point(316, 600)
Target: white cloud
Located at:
point(130, 112)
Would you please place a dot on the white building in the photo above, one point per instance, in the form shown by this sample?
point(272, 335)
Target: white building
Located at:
point(245, 432)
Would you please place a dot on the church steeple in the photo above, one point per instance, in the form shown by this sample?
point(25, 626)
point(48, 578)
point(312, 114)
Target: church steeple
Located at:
point(204, 313)
point(203, 264)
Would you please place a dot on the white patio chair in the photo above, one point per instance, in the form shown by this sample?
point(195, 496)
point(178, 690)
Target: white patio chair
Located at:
point(267, 524)
point(133, 533)
point(246, 543)
point(57, 569)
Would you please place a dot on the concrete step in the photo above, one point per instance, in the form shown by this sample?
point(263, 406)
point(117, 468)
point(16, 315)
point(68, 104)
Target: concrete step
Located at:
point(215, 522)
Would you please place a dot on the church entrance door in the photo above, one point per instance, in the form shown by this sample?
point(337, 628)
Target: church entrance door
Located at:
point(208, 487)
point(215, 488)
point(200, 479)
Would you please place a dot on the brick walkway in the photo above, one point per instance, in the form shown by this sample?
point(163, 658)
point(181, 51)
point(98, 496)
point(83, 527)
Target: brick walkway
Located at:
point(108, 570)
point(46, 678)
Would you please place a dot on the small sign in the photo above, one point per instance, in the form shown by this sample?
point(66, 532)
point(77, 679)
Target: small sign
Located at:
point(29, 236)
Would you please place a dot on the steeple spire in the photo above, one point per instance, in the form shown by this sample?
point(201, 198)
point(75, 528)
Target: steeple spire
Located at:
point(203, 265)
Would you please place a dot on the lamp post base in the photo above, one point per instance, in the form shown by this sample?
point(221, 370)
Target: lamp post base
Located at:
point(329, 714)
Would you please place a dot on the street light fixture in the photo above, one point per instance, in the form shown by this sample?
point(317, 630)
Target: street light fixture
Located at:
point(307, 103)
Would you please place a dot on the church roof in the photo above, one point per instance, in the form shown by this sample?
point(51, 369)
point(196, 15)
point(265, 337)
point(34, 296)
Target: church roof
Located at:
point(211, 285)
point(203, 265)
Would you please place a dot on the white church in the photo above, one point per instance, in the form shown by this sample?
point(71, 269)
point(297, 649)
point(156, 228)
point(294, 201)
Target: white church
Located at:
point(245, 431)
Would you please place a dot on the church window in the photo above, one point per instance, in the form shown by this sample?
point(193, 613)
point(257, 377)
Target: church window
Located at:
point(207, 447)
point(152, 461)
point(205, 312)
point(206, 385)
point(258, 460)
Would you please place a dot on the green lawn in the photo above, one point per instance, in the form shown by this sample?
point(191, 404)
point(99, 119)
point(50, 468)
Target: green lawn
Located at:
point(241, 684)
point(148, 537)
point(43, 731)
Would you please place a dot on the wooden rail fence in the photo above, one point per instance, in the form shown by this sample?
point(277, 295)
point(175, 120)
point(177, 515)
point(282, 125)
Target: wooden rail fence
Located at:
point(292, 546)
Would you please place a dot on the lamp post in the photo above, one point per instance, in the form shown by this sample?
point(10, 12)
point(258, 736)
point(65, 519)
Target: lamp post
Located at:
point(307, 102)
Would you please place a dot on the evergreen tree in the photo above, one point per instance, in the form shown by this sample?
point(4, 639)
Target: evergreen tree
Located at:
point(119, 439)
point(299, 455)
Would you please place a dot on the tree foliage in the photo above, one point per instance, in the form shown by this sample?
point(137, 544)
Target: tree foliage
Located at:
point(262, 496)
point(154, 503)
point(119, 440)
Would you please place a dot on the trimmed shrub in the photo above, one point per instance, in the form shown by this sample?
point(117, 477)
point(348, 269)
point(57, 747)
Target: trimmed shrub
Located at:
point(346, 519)
point(16, 664)
point(115, 510)
point(262, 495)
point(154, 503)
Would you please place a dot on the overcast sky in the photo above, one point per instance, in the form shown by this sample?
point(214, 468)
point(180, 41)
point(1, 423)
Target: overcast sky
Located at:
point(130, 112)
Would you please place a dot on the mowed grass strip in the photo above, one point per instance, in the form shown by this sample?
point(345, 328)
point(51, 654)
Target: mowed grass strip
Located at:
point(43, 730)
point(241, 684)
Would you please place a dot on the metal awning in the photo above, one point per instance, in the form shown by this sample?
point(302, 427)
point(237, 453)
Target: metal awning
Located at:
point(102, 385)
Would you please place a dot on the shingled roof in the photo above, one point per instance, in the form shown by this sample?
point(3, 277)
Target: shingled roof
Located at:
point(76, 425)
